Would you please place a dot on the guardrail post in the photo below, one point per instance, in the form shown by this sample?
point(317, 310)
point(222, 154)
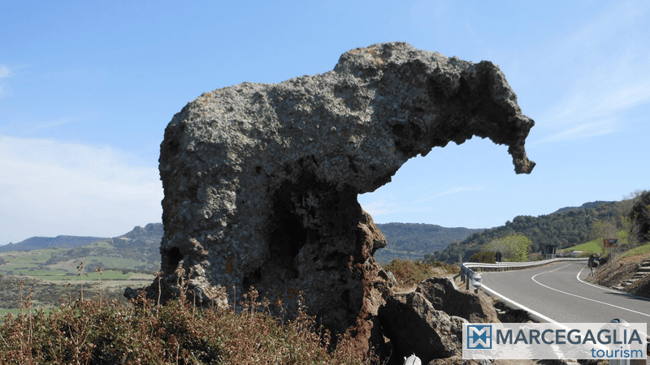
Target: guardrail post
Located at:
point(476, 282)
point(469, 277)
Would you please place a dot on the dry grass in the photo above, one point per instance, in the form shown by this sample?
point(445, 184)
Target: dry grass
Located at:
point(409, 273)
point(96, 331)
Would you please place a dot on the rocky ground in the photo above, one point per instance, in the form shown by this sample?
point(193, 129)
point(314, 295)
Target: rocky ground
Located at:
point(630, 274)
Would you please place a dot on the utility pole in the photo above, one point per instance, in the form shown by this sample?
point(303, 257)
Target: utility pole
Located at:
point(611, 243)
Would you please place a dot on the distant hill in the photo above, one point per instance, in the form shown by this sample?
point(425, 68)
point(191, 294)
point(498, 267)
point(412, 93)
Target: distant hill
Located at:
point(150, 235)
point(127, 260)
point(413, 241)
point(565, 227)
point(138, 249)
point(405, 240)
point(141, 243)
point(150, 232)
point(35, 243)
point(583, 206)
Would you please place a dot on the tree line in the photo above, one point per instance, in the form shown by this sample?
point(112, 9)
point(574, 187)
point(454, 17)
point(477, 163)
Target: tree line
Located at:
point(562, 229)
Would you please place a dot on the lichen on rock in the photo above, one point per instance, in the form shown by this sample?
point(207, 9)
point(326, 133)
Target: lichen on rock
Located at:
point(261, 180)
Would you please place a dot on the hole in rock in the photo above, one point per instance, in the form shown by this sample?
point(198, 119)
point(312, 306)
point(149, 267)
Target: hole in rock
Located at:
point(345, 296)
point(172, 258)
point(287, 233)
point(287, 239)
point(252, 279)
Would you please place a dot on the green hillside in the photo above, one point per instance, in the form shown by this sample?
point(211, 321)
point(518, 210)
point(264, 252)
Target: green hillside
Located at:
point(565, 228)
point(591, 246)
point(595, 245)
point(53, 273)
point(36, 243)
point(413, 241)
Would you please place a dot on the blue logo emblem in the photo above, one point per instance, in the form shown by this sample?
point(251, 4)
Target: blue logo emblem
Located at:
point(479, 337)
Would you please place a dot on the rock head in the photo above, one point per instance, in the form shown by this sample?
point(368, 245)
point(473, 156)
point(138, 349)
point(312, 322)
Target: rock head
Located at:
point(261, 180)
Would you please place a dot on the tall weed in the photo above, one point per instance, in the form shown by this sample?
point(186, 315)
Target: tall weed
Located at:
point(98, 331)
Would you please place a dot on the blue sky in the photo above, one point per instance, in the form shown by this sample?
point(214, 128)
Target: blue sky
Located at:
point(87, 88)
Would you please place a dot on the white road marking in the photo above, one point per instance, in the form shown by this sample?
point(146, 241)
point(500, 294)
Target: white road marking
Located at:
point(607, 289)
point(594, 285)
point(555, 348)
point(578, 296)
point(548, 319)
point(611, 291)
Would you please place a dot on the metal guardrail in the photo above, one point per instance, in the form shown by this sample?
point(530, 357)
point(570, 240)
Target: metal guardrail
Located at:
point(519, 265)
point(467, 274)
point(468, 269)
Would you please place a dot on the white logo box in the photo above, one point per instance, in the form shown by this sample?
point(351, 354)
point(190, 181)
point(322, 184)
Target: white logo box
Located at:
point(581, 341)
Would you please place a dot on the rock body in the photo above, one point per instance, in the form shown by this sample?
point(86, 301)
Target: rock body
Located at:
point(428, 321)
point(443, 296)
point(261, 180)
point(416, 327)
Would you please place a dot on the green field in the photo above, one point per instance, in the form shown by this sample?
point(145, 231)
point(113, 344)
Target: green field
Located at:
point(5, 311)
point(641, 250)
point(591, 246)
point(62, 263)
point(52, 274)
point(94, 276)
point(595, 245)
point(115, 261)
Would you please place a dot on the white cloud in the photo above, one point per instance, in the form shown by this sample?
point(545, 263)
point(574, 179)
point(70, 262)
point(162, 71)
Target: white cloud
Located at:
point(603, 73)
point(392, 204)
point(4, 71)
point(382, 207)
point(375, 208)
point(50, 187)
point(378, 208)
point(457, 190)
point(585, 130)
point(31, 129)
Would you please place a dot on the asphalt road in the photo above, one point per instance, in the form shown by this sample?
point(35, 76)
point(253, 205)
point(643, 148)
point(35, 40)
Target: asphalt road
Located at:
point(559, 292)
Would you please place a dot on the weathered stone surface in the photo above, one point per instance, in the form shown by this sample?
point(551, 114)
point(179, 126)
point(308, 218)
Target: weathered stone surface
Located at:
point(458, 360)
point(442, 294)
point(414, 326)
point(261, 181)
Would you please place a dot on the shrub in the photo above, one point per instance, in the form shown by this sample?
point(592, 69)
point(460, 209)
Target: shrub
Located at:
point(97, 331)
point(409, 272)
point(514, 247)
point(487, 257)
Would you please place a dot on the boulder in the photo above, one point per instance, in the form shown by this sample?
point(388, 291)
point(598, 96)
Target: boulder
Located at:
point(445, 297)
point(414, 326)
point(261, 180)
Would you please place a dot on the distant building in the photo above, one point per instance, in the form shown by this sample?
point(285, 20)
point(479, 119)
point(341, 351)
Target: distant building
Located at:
point(550, 251)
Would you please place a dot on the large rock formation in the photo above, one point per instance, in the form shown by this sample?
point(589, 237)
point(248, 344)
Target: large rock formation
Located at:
point(416, 327)
point(261, 180)
point(445, 297)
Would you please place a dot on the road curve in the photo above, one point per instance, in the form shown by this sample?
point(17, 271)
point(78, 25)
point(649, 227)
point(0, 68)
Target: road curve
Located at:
point(558, 291)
